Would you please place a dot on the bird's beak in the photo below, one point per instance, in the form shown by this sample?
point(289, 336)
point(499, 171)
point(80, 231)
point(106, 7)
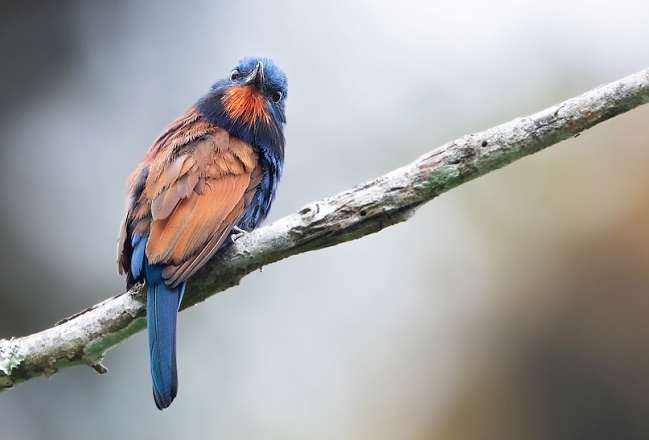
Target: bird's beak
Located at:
point(256, 77)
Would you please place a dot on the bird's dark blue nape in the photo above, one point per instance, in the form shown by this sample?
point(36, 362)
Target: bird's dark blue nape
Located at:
point(214, 168)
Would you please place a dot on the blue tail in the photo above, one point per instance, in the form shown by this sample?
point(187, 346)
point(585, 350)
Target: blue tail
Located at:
point(161, 311)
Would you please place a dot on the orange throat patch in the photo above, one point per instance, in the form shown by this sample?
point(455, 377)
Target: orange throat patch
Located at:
point(245, 104)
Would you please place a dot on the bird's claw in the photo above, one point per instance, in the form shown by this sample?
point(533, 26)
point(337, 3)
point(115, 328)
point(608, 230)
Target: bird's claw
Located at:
point(236, 233)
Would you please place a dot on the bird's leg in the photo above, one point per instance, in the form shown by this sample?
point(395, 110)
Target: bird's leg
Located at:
point(236, 233)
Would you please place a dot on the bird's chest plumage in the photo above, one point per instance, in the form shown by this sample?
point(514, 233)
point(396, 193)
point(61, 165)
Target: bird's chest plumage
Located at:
point(241, 113)
point(264, 195)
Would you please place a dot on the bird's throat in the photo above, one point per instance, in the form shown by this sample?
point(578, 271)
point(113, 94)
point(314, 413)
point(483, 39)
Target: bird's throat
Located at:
point(245, 104)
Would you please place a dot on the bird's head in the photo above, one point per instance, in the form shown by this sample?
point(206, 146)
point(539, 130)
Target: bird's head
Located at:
point(250, 101)
point(256, 89)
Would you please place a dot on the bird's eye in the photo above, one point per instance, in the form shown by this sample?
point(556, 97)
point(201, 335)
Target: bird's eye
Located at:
point(235, 74)
point(277, 96)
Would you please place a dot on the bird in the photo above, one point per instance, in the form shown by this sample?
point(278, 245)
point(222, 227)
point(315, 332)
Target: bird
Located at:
point(211, 174)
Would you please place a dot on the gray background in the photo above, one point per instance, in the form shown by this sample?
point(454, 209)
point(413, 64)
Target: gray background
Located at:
point(512, 307)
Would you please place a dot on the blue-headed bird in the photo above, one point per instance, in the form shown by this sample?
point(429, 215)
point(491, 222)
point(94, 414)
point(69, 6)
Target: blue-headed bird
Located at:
point(212, 172)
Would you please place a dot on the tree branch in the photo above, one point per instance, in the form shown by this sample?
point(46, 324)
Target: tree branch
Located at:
point(85, 337)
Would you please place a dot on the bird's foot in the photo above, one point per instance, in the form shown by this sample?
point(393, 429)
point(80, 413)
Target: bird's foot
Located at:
point(236, 233)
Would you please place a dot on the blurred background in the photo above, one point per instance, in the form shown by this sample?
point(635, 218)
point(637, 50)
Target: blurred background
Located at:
point(511, 307)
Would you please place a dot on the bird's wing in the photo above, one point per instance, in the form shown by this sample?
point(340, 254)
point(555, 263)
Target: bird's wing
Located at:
point(226, 191)
point(191, 199)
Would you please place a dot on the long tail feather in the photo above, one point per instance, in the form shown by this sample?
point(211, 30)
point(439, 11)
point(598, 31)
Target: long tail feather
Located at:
point(162, 309)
